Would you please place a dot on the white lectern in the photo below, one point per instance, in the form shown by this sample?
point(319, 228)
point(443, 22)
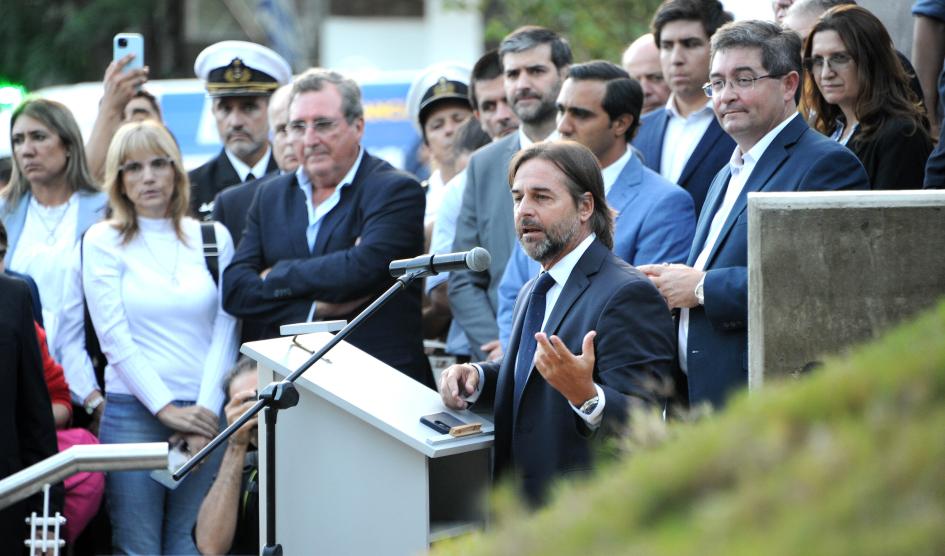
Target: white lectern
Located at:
point(356, 471)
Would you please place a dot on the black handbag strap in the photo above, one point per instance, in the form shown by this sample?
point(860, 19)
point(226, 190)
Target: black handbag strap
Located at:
point(211, 251)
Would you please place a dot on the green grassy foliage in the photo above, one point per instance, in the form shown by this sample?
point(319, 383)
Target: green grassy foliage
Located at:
point(850, 461)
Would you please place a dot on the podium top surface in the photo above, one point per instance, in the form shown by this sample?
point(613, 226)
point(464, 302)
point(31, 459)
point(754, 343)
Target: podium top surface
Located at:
point(370, 390)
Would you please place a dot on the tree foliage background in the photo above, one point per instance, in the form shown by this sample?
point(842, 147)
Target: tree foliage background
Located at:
point(596, 29)
point(49, 42)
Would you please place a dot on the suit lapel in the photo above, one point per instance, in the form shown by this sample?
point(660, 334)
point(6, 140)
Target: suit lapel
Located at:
point(712, 134)
point(656, 155)
point(624, 189)
point(712, 202)
point(297, 221)
point(771, 160)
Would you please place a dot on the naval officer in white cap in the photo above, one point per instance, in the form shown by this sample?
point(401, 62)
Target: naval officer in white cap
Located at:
point(240, 76)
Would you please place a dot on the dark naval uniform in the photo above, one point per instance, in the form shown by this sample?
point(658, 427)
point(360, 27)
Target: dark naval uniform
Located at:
point(213, 177)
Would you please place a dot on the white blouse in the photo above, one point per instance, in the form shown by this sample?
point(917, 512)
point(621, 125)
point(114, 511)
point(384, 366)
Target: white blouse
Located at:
point(43, 252)
point(157, 313)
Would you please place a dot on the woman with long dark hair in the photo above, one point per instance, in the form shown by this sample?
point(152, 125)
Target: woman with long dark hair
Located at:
point(858, 93)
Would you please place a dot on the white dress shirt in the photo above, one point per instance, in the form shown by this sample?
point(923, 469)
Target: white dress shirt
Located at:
point(43, 251)
point(243, 169)
point(741, 166)
point(681, 137)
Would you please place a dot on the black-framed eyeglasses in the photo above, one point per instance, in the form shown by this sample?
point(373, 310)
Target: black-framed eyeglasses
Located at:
point(322, 126)
point(716, 86)
point(135, 168)
point(835, 62)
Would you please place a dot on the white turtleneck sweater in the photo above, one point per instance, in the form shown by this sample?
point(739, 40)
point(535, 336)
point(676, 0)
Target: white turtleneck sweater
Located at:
point(158, 314)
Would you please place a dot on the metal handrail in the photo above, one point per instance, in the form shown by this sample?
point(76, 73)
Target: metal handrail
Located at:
point(84, 457)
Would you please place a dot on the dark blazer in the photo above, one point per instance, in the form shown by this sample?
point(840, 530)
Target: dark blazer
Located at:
point(34, 293)
point(895, 156)
point(213, 177)
point(27, 430)
point(231, 205)
point(485, 220)
point(799, 159)
point(379, 218)
point(712, 152)
point(634, 351)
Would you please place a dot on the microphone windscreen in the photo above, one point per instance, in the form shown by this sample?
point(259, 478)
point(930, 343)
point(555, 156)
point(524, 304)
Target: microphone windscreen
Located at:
point(478, 259)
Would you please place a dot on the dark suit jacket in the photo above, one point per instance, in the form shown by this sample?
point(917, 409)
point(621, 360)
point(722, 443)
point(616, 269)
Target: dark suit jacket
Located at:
point(634, 348)
point(799, 159)
point(210, 179)
point(712, 152)
point(27, 430)
point(895, 156)
point(34, 293)
point(485, 220)
point(379, 218)
point(231, 205)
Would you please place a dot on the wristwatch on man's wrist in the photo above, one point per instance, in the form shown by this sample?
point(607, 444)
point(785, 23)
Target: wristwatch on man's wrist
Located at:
point(91, 406)
point(590, 405)
point(700, 291)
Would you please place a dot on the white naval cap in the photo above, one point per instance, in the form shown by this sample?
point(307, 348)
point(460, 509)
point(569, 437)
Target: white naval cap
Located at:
point(241, 68)
point(449, 80)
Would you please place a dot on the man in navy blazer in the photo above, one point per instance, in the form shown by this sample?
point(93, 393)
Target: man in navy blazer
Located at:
point(599, 106)
point(605, 343)
point(317, 242)
point(755, 70)
point(682, 141)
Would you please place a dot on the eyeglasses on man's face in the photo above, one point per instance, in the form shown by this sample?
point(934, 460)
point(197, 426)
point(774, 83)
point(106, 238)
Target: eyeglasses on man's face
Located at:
point(321, 127)
point(744, 83)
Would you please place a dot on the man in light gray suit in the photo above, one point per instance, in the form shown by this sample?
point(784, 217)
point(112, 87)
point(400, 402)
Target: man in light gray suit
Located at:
point(535, 63)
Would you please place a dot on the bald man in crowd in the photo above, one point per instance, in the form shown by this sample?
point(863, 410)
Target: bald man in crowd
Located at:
point(642, 62)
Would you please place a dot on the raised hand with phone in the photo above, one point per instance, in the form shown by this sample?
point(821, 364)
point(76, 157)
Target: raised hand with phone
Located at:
point(124, 76)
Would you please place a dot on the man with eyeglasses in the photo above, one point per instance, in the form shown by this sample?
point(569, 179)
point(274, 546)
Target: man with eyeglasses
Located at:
point(239, 77)
point(755, 70)
point(682, 141)
point(317, 242)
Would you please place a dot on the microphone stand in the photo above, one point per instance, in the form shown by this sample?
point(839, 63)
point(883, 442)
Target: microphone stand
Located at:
point(283, 395)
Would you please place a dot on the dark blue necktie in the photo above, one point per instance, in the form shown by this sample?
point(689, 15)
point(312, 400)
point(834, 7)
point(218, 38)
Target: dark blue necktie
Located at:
point(249, 177)
point(534, 315)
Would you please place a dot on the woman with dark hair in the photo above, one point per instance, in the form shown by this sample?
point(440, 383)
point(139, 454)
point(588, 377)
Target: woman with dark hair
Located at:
point(858, 93)
point(168, 342)
point(50, 201)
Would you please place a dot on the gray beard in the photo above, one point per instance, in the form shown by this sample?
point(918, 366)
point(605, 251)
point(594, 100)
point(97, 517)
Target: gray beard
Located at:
point(557, 238)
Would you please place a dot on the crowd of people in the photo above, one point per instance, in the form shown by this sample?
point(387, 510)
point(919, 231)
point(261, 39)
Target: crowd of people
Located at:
point(612, 199)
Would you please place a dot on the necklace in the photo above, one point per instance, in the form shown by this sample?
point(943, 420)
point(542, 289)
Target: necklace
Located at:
point(51, 230)
point(173, 275)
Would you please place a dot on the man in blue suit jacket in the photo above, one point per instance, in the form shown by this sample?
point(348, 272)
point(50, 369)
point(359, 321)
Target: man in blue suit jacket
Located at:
point(755, 71)
point(592, 337)
point(682, 141)
point(599, 106)
point(317, 243)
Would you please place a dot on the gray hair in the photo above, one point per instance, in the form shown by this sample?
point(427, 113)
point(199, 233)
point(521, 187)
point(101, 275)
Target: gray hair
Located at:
point(780, 48)
point(244, 365)
point(314, 79)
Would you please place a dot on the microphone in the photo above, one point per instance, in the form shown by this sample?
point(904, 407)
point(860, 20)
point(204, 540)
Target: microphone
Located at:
point(476, 259)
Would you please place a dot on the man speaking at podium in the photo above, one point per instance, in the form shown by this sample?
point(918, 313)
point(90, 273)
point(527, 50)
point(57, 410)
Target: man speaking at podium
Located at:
point(591, 337)
point(318, 241)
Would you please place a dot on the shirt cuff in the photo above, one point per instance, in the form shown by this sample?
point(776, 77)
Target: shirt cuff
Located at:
point(311, 312)
point(593, 420)
point(471, 398)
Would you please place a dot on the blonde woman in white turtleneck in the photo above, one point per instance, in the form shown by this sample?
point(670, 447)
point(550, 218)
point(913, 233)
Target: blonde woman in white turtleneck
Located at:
point(158, 317)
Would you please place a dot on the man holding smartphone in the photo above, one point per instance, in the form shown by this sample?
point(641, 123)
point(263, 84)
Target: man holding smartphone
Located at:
point(240, 76)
